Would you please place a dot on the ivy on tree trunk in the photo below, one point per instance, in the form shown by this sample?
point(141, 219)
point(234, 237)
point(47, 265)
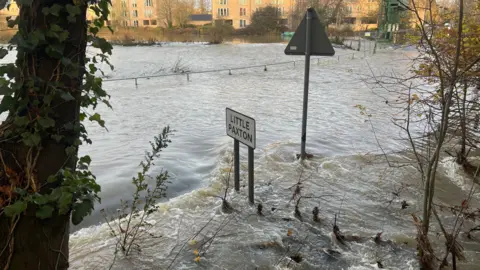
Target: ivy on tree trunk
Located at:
point(46, 93)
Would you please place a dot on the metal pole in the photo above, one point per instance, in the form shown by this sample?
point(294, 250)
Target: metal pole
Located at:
point(250, 175)
point(306, 82)
point(236, 164)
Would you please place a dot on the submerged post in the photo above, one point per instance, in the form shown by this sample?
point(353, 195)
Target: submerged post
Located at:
point(306, 82)
point(250, 176)
point(309, 39)
point(236, 164)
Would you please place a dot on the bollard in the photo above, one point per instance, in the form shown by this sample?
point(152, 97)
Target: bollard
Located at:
point(188, 77)
point(136, 84)
point(229, 72)
point(318, 61)
point(265, 69)
point(293, 63)
point(353, 56)
point(339, 58)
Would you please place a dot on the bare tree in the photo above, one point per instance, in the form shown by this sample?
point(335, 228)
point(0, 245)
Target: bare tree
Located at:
point(182, 11)
point(440, 104)
point(165, 11)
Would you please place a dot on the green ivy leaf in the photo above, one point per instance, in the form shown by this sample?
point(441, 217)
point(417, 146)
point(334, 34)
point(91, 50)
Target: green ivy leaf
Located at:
point(46, 122)
point(97, 118)
point(81, 210)
point(16, 208)
point(67, 96)
point(52, 179)
point(72, 10)
point(3, 52)
point(55, 10)
point(40, 199)
point(21, 121)
point(31, 139)
point(7, 104)
point(85, 160)
point(64, 202)
point(44, 212)
point(71, 150)
point(56, 137)
point(55, 195)
point(12, 23)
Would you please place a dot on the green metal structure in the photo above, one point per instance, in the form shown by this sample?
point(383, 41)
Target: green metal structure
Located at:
point(390, 18)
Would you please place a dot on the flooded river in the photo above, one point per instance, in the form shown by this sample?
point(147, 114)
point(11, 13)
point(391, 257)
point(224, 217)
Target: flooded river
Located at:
point(347, 176)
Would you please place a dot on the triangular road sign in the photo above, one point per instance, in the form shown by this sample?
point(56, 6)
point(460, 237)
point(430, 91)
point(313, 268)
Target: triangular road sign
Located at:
point(319, 42)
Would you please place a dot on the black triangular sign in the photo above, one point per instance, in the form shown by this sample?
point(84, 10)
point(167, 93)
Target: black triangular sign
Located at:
point(319, 42)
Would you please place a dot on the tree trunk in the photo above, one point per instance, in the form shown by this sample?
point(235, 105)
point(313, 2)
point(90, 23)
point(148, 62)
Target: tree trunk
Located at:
point(32, 243)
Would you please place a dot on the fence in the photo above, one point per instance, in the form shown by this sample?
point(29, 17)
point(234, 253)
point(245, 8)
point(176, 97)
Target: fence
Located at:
point(188, 75)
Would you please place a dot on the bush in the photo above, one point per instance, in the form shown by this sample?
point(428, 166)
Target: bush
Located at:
point(266, 20)
point(218, 32)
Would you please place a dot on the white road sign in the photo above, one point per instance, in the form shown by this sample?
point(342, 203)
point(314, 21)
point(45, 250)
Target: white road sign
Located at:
point(241, 127)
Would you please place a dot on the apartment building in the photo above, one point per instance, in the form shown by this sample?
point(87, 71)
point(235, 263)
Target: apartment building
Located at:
point(238, 12)
point(361, 14)
point(134, 13)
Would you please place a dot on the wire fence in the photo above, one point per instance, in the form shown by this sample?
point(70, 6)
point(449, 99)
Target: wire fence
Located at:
point(188, 74)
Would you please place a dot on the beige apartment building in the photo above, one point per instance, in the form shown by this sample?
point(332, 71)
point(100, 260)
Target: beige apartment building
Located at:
point(238, 12)
point(361, 14)
point(134, 13)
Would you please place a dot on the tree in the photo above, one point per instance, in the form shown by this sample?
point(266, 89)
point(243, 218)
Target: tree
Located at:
point(182, 11)
point(329, 11)
point(43, 183)
point(443, 116)
point(266, 20)
point(165, 11)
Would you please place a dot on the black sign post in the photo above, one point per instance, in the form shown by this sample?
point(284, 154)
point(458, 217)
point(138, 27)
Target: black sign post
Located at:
point(309, 39)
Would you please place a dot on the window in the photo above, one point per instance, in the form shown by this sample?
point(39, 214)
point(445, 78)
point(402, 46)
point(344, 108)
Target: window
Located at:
point(154, 22)
point(349, 9)
point(148, 13)
point(243, 23)
point(135, 13)
point(125, 23)
point(223, 2)
point(258, 2)
point(135, 23)
point(148, 3)
point(223, 12)
point(124, 3)
point(359, 8)
point(134, 3)
point(125, 13)
point(243, 12)
point(146, 22)
point(243, 2)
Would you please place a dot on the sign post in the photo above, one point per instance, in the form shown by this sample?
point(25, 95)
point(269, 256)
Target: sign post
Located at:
point(309, 39)
point(242, 129)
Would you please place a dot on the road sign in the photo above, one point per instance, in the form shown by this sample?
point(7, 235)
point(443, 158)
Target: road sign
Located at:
point(319, 42)
point(309, 39)
point(241, 127)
